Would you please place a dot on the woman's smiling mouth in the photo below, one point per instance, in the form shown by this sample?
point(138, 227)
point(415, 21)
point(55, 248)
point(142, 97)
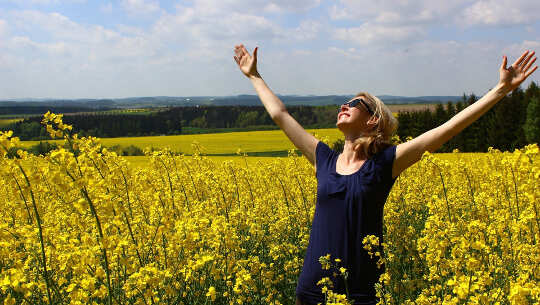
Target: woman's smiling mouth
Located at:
point(343, 114)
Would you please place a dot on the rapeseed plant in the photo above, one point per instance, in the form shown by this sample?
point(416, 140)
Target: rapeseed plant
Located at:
point(80, 226)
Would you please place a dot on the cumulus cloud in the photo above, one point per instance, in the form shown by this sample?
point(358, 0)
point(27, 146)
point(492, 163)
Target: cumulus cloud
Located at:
point(307, 30)
point(501, 12)
point(458, 12)
point(369, 33)
point(395, 12)
point(255, 6)
point(516, 49)
point(201, 29)
point(59, 26)
point(74, 43)
point(188, 50)
point(422, 68)
point(380, 23)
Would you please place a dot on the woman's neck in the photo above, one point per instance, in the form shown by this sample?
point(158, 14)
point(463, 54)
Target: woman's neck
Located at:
point(349, 154)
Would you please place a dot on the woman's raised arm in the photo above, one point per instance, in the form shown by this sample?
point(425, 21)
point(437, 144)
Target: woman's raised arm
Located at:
point(303, 140)
point(510, 78)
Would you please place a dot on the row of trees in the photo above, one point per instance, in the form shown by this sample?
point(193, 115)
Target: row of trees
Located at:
point(101, 125)
point(44, 147)
point(246, 116)
point(512, 123)
point(171, 121)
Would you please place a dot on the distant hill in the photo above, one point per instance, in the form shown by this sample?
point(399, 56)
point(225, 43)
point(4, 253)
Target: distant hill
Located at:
point(238, 100)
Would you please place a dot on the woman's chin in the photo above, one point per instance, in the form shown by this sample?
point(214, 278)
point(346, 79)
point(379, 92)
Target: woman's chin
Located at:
point(341, 125)
point(347, 127)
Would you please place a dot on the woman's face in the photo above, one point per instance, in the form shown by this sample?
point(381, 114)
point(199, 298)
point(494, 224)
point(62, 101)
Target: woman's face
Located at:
point(354, 119)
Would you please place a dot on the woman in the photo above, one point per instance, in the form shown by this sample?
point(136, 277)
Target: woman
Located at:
point(352, 187)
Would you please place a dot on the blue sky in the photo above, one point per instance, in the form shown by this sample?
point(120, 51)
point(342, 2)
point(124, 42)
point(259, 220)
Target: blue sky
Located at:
point(100, 49)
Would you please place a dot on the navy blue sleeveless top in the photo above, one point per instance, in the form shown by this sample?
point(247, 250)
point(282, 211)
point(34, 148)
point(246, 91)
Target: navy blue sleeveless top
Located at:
point(348, 208)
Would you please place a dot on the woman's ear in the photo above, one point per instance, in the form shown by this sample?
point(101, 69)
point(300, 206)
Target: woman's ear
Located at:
point(373, 121)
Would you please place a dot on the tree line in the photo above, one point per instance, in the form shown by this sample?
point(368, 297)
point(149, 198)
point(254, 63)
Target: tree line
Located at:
point(172, 120)
point(511, 123)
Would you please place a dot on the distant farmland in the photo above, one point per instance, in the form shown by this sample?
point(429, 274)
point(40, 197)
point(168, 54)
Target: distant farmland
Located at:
point(411, 107)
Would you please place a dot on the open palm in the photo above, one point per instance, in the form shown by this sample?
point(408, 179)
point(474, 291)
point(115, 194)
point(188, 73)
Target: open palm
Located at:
point(246, 62)
point(514, 75)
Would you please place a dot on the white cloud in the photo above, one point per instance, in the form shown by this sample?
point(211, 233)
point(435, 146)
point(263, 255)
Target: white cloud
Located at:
point(19, 43)
point(307, 30)
point(395, 12)
point(72, 42)
point(140, 7)
point(501, 12)
point(372, 33)
point(254, 6)
point(457, 12)
point(422, 68)
point(188, 51)
point(212, 24)
point(200, 29)
point(60, 27)
point(516, 49)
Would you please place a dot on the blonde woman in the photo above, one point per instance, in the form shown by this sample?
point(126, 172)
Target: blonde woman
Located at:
point(352, 186)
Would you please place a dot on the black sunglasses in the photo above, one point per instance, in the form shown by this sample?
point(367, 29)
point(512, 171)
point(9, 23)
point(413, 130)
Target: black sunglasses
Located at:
point(355, 102)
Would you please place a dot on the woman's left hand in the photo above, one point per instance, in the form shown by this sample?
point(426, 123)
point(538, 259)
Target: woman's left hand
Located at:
point(513, 76)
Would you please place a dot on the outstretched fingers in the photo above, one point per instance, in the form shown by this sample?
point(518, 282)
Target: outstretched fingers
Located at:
point(528, 66)
point(245, 51)
point(238, 51)
point(520, 59)
point(524, 62)
point(531, 72)
point(504, 62)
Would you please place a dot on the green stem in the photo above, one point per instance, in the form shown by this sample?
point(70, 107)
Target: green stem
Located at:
point(38, 219)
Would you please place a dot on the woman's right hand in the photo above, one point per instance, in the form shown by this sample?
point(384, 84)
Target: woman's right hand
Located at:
point(246, 62)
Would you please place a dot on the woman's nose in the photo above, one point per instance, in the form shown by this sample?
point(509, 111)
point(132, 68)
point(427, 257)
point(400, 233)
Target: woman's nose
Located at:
point(343, 107)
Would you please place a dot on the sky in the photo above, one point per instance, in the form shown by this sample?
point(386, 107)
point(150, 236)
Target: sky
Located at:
point(128, 48)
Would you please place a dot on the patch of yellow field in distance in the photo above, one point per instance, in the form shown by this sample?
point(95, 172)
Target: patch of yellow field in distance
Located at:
point(5, 122)
point(217, 143)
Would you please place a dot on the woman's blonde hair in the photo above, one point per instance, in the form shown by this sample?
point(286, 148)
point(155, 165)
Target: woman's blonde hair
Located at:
point(380, 136)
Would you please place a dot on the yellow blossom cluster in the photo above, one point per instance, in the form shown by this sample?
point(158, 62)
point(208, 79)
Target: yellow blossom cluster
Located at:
point(339, 273)
point(80, 226)
point(464, 232)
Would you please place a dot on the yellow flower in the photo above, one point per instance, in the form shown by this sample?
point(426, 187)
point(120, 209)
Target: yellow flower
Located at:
point(211, 293)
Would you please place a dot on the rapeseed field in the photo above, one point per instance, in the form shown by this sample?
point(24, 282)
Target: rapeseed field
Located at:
point(218, 143)
point(144, 161)
point(87, 228)
point(6, 122)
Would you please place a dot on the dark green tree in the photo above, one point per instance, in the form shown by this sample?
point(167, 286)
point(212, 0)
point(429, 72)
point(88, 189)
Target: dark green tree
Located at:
point(532, 122)
point(248, 118)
